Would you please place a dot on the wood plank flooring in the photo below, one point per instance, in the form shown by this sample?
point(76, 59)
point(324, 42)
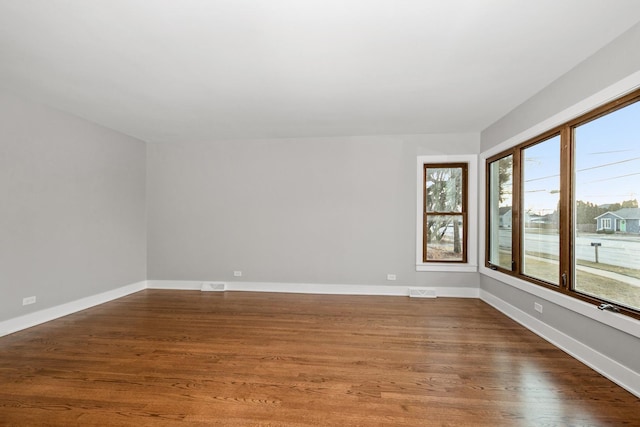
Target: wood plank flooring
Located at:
point(167, 358)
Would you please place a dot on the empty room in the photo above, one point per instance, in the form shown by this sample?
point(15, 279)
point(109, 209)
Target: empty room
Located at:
point(319, 213)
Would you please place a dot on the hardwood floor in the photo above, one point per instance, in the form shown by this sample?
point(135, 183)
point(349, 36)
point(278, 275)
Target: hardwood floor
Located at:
point(165, 358)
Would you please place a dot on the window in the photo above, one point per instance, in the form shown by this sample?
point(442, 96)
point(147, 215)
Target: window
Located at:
point(606, 180)
point(500, 205)
point(540, 196)
point(562, 208)
point(446, 215)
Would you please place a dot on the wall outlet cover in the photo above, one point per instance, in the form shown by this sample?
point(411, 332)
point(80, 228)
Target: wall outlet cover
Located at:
point(28, 300)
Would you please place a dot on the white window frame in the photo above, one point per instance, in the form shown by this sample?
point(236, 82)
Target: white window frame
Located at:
point(472, 211)
point(606, 223)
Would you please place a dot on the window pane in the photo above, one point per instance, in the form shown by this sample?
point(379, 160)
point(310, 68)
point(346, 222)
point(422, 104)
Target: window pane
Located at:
point(444, 238)
point(500, 212)
point(607, 217)
point(443, 189)
point(540, 225)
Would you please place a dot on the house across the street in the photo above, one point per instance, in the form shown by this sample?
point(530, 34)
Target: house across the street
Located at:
point(625, 220)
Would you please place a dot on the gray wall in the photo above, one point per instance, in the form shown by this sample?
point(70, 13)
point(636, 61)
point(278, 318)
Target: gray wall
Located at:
point(315, 210)
point(72, 216)
point(608, 66)
point(617, 345)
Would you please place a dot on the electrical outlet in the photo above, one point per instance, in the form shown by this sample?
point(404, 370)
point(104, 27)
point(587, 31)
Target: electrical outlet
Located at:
point(537, 307)
point(237, 273)
point(28, 300)
point(391, 277)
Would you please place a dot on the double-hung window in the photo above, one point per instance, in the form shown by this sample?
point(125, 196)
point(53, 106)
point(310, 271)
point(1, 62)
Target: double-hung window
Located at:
point(447, 209)
point(445, 213)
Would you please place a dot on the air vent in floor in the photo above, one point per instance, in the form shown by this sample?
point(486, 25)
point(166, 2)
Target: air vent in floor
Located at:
point(213, 287)
point(422, 292)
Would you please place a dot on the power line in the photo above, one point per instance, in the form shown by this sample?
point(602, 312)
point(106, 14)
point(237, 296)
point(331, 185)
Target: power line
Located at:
point(610, 152)
point(608, 164)
point(612, 178)
point(607, 195)
point(541, 178)
point(586, 169)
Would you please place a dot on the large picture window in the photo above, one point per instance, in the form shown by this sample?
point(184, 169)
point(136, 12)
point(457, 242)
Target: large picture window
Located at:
point(562, 208)
point(606, 180)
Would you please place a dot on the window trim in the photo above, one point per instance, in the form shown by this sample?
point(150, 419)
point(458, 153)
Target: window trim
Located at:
point(565, 129)
point(471, 265)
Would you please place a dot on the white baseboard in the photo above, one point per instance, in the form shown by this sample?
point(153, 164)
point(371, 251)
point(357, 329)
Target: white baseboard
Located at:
point(32, 319)
point(313, 288)
point(176, 285)
point(619, 374)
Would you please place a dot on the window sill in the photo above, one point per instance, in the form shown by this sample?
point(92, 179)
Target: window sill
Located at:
point(461, 268)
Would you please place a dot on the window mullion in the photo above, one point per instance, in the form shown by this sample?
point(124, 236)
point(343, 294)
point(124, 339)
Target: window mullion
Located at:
point(516, 262)
point(566, 208)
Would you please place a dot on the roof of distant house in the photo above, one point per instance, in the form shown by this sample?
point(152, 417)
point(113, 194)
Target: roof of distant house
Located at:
point(624, 213)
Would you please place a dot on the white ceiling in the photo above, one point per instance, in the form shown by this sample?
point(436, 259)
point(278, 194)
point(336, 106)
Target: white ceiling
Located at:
point(185, 70)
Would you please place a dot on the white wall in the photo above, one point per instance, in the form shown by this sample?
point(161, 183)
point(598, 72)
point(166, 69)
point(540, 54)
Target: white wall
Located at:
point(72, 216)
point(315, 210)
